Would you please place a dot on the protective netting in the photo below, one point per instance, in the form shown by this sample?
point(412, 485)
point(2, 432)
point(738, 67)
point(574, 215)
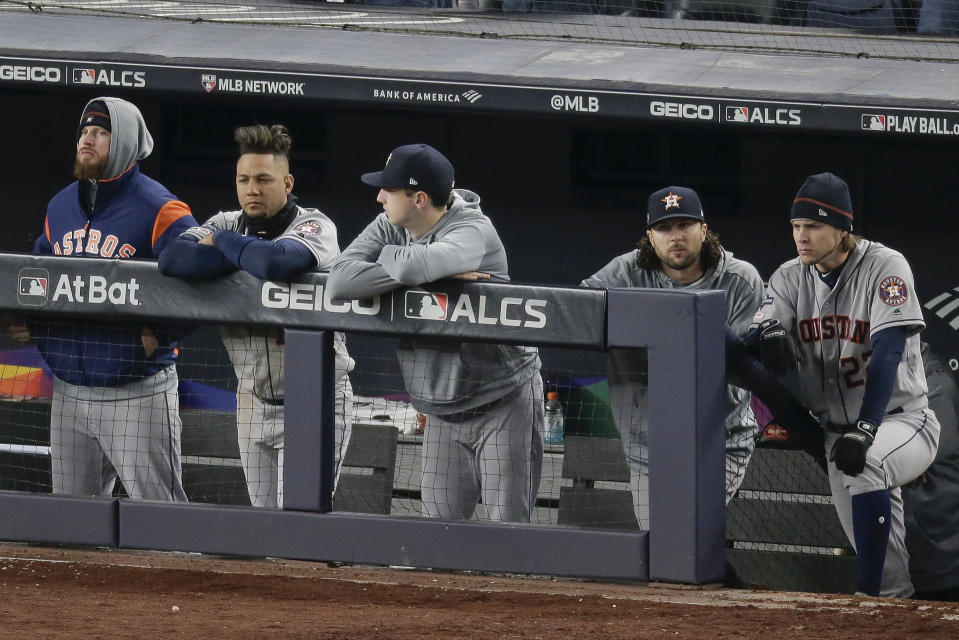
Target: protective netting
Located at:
point(485, 450)
point(127, 440)
point(213, 430)
point(915, 29)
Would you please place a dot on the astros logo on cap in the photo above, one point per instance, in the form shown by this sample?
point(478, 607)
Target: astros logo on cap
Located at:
point(672, 200)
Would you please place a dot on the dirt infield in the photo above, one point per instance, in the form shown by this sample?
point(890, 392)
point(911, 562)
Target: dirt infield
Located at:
point(70, 593)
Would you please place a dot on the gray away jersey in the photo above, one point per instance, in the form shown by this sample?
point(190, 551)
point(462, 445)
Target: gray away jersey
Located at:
point(310, 227)
point(257, 352)
point(833, 328)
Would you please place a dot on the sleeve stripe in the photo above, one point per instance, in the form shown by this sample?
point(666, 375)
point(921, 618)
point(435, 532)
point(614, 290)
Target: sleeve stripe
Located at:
point(46, 228)
point(168, 214)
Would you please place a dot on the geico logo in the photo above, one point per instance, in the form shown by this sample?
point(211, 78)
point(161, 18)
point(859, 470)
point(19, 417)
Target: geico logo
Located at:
point(312, 297)
point(485, 312)
point(32, 74)
point(680, 110)
point(96, 290)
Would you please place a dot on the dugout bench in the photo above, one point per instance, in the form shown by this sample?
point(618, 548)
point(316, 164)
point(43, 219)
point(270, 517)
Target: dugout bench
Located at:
point(210, 458)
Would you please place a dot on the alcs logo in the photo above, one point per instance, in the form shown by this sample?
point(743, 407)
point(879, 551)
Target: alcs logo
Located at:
point(110, 77)
point(507, 312)
point(764, 115)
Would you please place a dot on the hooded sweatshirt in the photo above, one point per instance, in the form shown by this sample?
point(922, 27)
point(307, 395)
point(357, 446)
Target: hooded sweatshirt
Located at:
point(628, 369)
point(124, 215)
point(443, 377)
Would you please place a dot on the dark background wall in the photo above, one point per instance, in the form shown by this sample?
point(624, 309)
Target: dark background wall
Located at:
point(566, 193)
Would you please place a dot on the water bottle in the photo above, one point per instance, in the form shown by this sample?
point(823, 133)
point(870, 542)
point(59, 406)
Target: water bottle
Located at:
point(554, 419)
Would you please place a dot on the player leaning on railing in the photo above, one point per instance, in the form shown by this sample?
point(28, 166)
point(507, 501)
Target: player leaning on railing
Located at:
point(483, 402)
point(271, 237)
point(678, 251)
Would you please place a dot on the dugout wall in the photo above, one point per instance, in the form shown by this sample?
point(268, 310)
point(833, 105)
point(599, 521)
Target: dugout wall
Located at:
point(683, 334)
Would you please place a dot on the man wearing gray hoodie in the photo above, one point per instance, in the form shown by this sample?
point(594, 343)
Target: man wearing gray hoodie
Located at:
point(483, 402)
point(678, 252)
point(115, 409)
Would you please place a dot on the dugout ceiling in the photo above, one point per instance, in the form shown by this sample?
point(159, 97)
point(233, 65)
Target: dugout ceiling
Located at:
point(734, 91)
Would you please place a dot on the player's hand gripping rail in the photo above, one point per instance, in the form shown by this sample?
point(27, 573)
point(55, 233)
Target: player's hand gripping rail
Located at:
point(773, 345)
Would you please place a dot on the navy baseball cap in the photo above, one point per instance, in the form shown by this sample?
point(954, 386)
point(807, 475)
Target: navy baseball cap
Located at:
point(824, 197)
point(95, 114)
point(673, 202)
point(414, 166)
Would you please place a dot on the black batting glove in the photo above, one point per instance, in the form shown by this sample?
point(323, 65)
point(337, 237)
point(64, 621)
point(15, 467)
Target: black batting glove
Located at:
point(776, 349)
point(849, 451)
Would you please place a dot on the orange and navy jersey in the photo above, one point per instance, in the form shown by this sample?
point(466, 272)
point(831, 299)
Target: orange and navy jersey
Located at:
point(134, 216)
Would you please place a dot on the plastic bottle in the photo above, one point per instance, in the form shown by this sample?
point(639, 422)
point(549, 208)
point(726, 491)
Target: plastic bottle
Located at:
point(554, 419)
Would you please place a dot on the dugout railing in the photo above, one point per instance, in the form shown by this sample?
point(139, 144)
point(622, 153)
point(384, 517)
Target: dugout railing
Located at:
point(681, 331)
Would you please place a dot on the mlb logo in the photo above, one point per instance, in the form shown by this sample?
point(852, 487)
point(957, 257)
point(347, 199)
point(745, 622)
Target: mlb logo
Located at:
point(84, 76)
point(208, 80)
point(873, 122)
point(737, 114)
point(32, 287)
point(423, 305)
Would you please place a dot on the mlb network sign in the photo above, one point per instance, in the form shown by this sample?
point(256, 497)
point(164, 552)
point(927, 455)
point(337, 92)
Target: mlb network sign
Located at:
point(505, 312)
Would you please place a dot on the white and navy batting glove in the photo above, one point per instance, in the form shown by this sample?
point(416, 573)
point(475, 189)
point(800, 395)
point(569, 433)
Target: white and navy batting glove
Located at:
point(776, 349)
point(849, 451)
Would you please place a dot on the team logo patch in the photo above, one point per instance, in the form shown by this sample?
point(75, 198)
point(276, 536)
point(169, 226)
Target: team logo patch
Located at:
point(208, 80)
point(672, 200)
point(759, 315)
point(32, 287)
point(310, 227)
point(893, 291)
point(426, 306)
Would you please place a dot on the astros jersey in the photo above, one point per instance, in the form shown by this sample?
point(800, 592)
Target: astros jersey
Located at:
point(310, 227)
point(833, 328)
point(134, 216)
point(257, 352)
